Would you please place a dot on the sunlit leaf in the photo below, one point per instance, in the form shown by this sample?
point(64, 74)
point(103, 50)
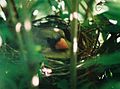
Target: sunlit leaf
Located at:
point(43, 7)
point(106, 60)
point(113, 12)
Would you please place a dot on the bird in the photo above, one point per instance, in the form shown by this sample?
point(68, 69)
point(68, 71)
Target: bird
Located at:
point(53, 35)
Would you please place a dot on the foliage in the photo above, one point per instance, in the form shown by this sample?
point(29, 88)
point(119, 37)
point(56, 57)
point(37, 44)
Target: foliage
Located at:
point(25, 53)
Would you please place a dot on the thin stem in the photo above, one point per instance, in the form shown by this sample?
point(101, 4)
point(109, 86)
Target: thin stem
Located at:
point(74, 27)
point(68, 3)
point(13, 15)
point(21, 45)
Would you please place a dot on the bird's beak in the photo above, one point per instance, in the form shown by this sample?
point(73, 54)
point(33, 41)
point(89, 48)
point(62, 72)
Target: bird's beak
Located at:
point(61, 44)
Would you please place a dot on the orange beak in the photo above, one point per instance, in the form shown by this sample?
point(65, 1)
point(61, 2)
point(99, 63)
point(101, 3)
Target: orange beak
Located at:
point(61, 44)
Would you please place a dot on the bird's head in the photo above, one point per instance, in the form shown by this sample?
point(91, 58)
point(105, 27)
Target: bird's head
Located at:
point(52, 39)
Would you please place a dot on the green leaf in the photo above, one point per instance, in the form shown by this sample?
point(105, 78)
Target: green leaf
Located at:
point(4, 30)
point(105, 60)
point(113, 10)
point(43, 6)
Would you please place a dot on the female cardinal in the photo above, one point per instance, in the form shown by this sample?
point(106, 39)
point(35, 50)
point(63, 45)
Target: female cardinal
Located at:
point(53, 36)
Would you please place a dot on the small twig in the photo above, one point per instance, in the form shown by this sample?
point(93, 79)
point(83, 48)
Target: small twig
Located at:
point(56, 62)
point(94, 47)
